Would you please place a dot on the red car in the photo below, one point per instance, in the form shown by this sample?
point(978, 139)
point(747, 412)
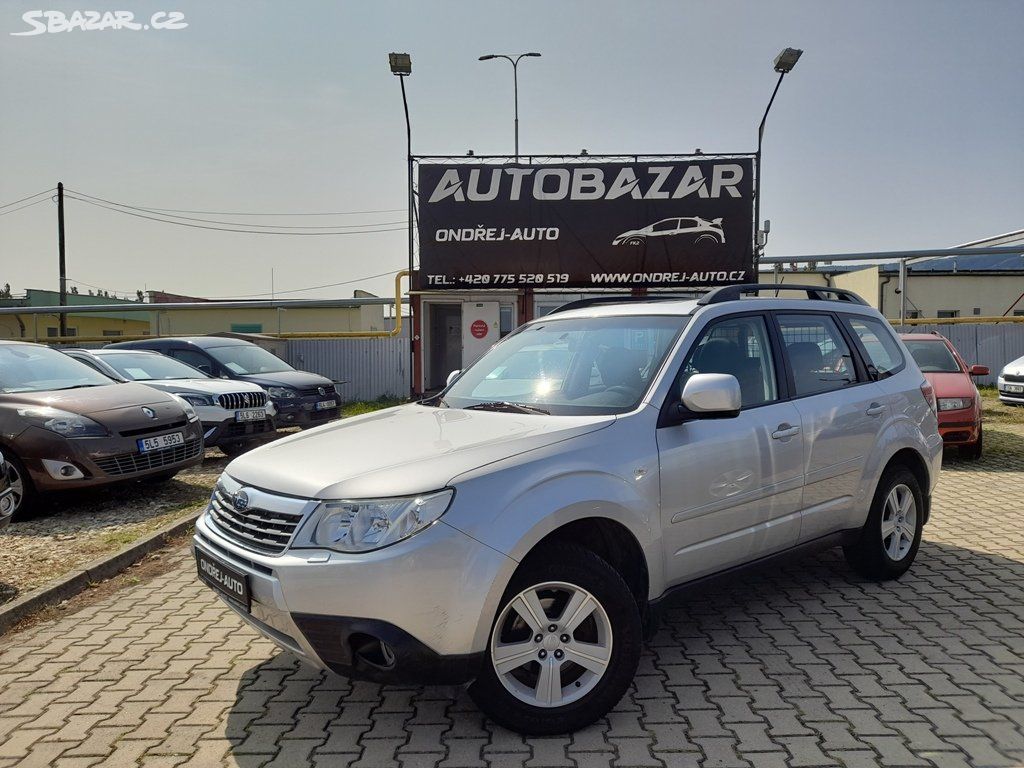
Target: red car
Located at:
point(958, 400)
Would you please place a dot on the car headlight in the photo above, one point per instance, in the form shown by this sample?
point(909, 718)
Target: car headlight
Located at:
point(186, 406)
point(367, 524)
point(954, 403)
point(63, 422)
point(194, 399)
point(281, 393)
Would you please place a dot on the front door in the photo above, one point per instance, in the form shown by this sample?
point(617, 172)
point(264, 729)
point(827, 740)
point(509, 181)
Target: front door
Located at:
point(731, 487)
point(480, 329)
point(445, 342)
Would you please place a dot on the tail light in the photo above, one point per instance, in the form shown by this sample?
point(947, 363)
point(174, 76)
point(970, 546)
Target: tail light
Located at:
point(929, 395)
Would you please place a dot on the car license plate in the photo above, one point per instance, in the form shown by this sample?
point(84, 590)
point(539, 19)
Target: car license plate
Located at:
point(251, 414)
point(323, 405)
point(1013, 388)
point(229, 581)
point(161, 441)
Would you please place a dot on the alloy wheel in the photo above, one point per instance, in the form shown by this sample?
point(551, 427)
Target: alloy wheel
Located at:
point(17, 484)
point(552, 644)
point(899, 522)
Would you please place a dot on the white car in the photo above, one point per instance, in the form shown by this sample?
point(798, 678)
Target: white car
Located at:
point(702, 230)
point(235, 414)
point(1011, 382)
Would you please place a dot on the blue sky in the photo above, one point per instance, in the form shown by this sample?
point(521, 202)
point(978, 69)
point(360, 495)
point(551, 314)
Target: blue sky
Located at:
point(901, 127)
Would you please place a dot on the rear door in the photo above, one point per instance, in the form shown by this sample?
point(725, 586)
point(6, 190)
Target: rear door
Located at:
point(731, 487)
point(842, 414)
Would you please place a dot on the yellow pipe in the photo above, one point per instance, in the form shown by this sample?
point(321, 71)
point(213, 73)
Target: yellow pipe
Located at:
point(396, 331)
point(973, 320)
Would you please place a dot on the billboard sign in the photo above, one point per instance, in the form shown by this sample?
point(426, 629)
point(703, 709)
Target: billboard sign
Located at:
point(651, 223)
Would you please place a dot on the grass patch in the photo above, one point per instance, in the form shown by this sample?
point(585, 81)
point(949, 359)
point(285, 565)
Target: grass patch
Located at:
point(995, 412)
point(368, 406)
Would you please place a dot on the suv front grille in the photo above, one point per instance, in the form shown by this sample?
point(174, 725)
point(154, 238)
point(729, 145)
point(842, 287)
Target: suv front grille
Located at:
point(256, 529)
point(129, 463)
point(1013, 377)
point(234, 401)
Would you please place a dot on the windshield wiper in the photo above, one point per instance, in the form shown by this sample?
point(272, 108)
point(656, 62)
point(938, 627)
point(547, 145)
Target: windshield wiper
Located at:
point(75, 386)
point(505, 405)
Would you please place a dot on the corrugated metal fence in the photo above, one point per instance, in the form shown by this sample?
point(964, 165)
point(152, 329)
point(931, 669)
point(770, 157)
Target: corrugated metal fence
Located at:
point(991, 344)
point(367, 368)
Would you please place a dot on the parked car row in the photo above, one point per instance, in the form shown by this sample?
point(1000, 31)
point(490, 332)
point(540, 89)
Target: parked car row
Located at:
point(84, 418)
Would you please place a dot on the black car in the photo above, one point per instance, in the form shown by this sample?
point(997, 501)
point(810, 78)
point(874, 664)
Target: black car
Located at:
point(302, 399)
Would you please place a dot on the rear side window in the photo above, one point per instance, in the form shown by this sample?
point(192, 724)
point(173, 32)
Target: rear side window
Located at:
point(195, 359)
point(879, 345)
point(817, 353)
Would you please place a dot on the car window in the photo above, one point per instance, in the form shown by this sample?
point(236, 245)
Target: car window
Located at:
point(195, 359)
point(817, 353)
point(666, 226)
point(738, 346)
point(590, 365)
point(932, 356)
point(245, 359)
point(31, 368)
point(876, 337)
point(146, 366)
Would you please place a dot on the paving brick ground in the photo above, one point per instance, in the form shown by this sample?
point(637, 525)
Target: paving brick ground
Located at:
point(800, 666)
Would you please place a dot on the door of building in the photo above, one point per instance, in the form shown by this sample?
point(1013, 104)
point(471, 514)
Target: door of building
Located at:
point(480, 329)
point(445, 342)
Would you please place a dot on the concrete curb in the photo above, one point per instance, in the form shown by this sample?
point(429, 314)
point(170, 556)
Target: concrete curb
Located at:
point(61, 589)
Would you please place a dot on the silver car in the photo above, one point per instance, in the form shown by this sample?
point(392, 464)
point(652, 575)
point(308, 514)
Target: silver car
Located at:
point(520, 531)
point(1011, 382)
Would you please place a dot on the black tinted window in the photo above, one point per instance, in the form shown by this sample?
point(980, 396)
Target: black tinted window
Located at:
point(817, 353)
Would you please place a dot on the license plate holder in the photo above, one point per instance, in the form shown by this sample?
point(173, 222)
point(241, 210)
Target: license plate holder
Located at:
point(251, 414)
point(324, 405)
point(1013, 389)
point(225, 579)
point(158, 442)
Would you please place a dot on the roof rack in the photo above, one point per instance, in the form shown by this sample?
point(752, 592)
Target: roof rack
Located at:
point(621, 299)
point(814, 292)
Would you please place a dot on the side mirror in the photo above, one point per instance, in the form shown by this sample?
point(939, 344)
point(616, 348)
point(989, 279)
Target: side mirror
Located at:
point(712, 395)
point(455, 374)
point(979, 370)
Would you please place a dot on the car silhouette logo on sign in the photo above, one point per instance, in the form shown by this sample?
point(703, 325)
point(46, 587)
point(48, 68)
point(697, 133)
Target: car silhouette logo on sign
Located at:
point(241, 501)
point(149, 412)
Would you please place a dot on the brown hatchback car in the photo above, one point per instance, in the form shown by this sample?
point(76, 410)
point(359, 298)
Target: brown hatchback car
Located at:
point(65, 426)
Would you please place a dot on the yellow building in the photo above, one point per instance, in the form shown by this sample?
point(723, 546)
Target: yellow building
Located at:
point(43, 326)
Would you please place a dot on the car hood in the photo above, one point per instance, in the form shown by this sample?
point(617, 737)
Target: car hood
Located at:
point(1015, 368)
point(92, 400)
point(951, 384)
point(399, 451)
point(203, 386)
point(295, 379)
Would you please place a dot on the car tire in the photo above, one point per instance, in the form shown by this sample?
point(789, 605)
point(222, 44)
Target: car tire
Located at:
point(891, 536)
point(26, 497)
point(562, 581)
point(973, 451)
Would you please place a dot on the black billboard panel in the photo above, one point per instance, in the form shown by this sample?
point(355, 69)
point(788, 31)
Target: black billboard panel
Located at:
point(679, 222)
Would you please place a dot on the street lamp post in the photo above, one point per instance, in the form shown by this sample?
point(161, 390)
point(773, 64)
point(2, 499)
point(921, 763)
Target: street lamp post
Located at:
point(515, 83)
point(401, 67)
point(784, 64)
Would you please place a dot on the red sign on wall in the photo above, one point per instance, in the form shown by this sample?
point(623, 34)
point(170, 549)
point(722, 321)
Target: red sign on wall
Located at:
point(478, 329)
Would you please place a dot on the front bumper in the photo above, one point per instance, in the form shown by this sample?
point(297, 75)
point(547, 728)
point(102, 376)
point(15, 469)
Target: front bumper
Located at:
point(231, 431)
point(1013, 398)
point(302, 411)
point(104, 460)
point(431, 598)
point(959, 427)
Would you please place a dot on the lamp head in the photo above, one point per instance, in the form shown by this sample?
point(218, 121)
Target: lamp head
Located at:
point(487, 57)
point(786, 60)
point(401, 64)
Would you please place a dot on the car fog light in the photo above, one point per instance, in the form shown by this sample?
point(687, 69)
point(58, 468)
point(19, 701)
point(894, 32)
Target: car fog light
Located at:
point(62, 470)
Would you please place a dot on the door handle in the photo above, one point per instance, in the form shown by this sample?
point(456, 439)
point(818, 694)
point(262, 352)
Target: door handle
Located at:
point(785, 431)
point(875, 409)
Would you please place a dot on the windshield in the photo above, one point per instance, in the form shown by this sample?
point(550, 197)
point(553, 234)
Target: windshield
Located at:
point(29, 368)
point(932, 356)
point(147, 366)
point(599, 365)
point(248, 358)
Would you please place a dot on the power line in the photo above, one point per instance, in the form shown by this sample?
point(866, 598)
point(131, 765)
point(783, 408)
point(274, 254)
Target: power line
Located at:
point(26, 205)
point(317, 287)
point(232, 223)
point(37, 194)
point(244, 213)
point(227, 229)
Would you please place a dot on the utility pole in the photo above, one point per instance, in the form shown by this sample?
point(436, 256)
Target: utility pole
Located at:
point(62, 321)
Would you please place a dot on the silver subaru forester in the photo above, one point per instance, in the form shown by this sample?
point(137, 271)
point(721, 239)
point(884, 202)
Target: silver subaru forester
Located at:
point(519, 531)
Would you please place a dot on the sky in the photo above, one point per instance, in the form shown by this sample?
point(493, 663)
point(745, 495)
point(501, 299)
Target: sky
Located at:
point(902, 127)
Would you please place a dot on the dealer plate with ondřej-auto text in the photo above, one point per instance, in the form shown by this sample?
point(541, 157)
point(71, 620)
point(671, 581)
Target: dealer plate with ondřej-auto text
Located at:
point(251, 414)
point(323, 405)
point(161, 441)
point(1014, 389)
point(229, 581)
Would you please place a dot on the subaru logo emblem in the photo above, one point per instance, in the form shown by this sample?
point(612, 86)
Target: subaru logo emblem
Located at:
point(241, 501)
point(321, 390)
point(149, 412)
